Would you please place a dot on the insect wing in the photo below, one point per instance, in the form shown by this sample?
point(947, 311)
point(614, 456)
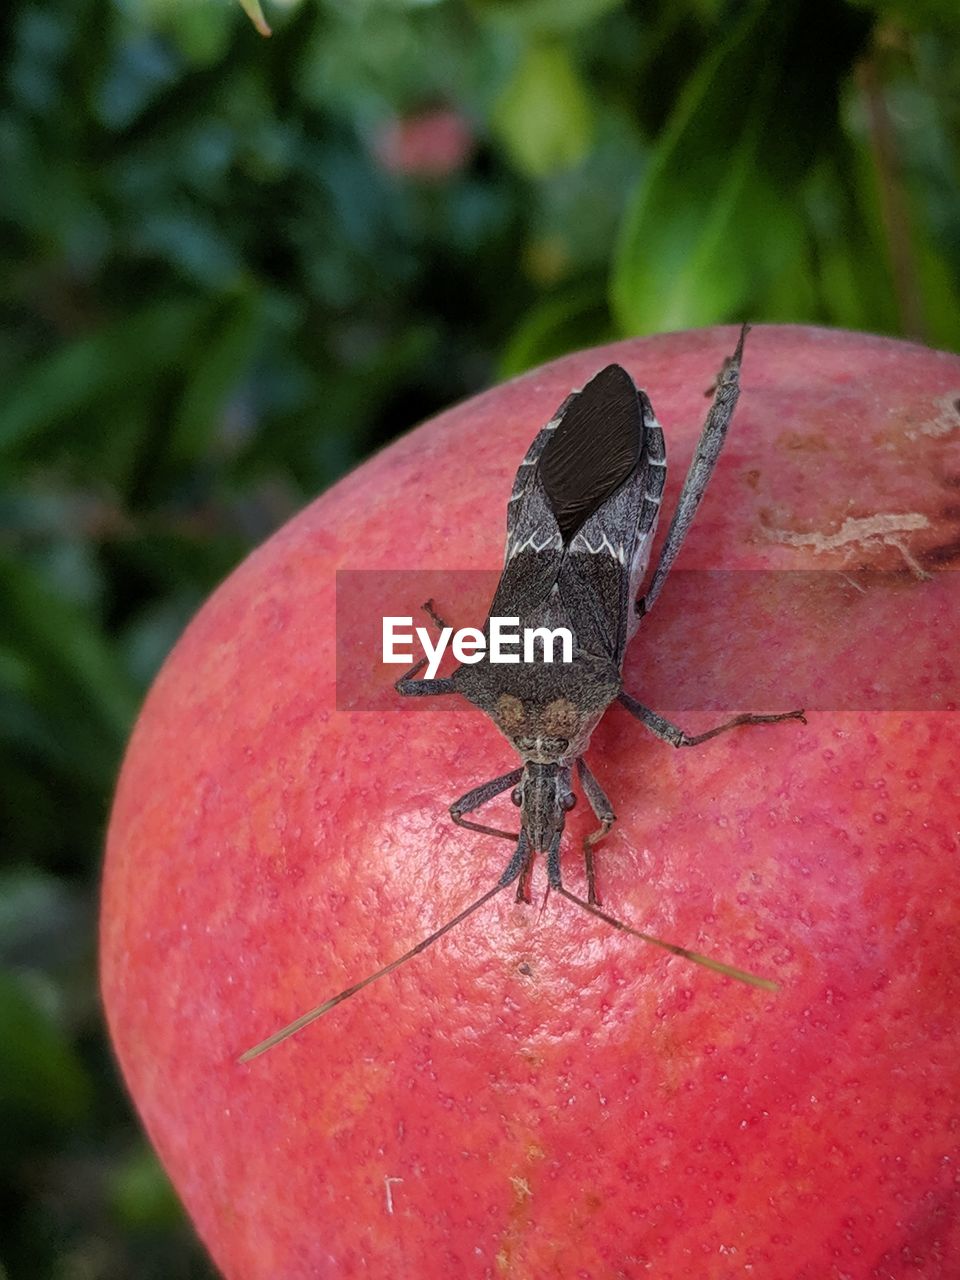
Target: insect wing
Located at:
point(526, 477)
point(583, 511)
point(534, 545)
point(603, 472)
point(595, 447)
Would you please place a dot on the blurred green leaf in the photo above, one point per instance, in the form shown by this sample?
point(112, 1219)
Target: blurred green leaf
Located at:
point(681, 259)
point(42, 1082)
point(141, 71)
point(576, 317)
point(940, 296)
point(543, 116)
point(367, 62)
point(141, 1193)
point(544, 16)
point(716, 228)
point(33, 75)
point(917, 14)
point(36, 910)
point(149, 638)
point(201, 31)
point(194, 245)
point(578, 211)
point(70, 672)
point(88, 370)
point(228, 347)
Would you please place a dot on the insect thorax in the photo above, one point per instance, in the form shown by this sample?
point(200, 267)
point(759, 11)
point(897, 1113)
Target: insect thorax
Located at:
point(547, 710)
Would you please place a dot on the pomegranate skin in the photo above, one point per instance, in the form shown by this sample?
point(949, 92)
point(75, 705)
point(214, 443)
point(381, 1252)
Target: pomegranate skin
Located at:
point(537, 1096)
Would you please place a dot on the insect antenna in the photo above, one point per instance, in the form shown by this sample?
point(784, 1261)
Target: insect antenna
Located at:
point(717, 966)
point(327, 1005)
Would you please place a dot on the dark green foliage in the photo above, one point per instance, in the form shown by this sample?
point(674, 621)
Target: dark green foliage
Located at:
point(224, 281)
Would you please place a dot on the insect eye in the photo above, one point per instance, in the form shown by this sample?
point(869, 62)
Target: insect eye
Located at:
point(569, 801)
point(516, 795)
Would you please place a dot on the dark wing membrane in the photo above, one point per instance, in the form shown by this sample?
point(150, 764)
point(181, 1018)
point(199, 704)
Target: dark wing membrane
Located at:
point(606, 557)
point(527, 471)
point(573, 515)
point(594, 448)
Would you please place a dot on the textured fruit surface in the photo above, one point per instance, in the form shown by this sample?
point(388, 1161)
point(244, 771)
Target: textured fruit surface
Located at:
point(538, 1096)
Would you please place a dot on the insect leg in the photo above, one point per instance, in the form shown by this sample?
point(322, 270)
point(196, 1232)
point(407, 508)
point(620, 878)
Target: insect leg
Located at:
point(434, 617)
point(603, 809)
point(741, 975)
point(480, 795)
point(674, 734)
point(407, 686)
point(701, 468)
point(306, 1018)
point(517, 866)
point(553, 863)
point(523, 884)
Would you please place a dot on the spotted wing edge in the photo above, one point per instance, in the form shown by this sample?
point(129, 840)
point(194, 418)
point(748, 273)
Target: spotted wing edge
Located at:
point(607, 558)
point(526, 479)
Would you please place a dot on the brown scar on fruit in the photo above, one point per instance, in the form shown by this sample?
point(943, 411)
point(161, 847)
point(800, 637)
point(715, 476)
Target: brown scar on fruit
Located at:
point(796, 440)
point(520, 1212)
point(883, 529)
point(944, 554)
point(947, 419)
